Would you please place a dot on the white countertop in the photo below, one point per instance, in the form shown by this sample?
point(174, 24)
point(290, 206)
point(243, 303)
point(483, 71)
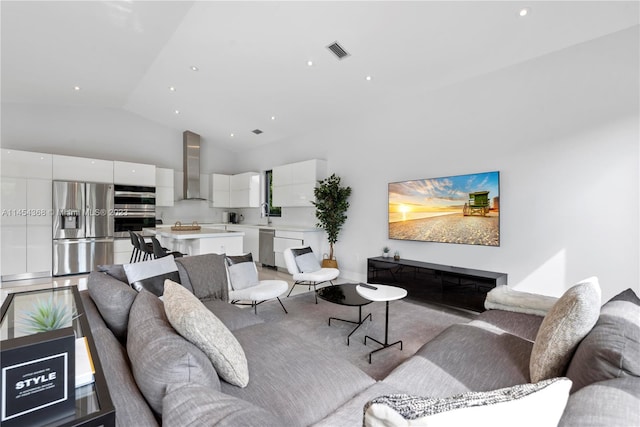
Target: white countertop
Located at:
point(301, 228)
point(203, 233)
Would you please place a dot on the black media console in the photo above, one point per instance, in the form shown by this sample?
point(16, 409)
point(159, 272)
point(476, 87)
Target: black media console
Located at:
point(435, 283)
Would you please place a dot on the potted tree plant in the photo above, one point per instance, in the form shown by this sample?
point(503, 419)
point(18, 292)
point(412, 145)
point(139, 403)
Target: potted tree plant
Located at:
point(331, 206)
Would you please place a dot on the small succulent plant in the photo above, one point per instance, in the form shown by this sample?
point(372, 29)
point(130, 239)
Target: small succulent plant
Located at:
point(46, 315)
point(386, 249)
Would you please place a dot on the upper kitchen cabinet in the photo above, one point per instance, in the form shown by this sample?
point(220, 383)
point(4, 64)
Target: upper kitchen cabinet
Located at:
point(127, 173)
point(164, 187)
point(293, 184)
point(245, 190)
point(220, 191)
point(68, 168)
point(25, 164)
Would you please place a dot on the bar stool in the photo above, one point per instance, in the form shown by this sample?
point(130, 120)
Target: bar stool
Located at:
point(160, 252)
point(135, 253)
point(145, 248)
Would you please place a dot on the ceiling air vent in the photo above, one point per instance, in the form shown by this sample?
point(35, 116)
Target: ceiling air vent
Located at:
point(257, 131)
point(338, 50)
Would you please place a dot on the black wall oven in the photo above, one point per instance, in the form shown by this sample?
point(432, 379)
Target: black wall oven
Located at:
point(134, 208)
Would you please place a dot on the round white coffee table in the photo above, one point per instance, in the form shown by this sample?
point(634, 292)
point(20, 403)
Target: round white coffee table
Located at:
point(386, 293)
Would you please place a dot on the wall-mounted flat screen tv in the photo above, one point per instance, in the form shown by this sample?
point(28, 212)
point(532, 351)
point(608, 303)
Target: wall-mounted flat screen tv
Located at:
point(455, 209)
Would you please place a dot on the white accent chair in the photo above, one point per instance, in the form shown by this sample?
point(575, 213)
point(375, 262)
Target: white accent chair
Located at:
point(313, 278)
point(244, 285)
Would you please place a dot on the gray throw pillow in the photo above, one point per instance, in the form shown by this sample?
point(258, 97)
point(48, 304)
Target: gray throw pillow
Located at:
point(567, 323)
point(242, 272)
point(114, 270)
point(194, 405)
point(159, 356)
point(150, 275)
point(198, 325)
point(113, 299)
point(206, 275)
point(612, 348)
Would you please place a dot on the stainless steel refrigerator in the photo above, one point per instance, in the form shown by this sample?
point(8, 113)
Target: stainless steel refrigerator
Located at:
point(82, 226)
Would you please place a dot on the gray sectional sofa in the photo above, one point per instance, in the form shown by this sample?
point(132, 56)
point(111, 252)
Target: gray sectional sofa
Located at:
point(156, 377)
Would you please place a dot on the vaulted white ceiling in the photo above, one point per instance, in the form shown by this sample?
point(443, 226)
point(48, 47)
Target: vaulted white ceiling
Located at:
point(252, 57)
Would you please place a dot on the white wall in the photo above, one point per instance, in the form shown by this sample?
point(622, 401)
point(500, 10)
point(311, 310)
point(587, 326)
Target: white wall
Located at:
point(562, 130)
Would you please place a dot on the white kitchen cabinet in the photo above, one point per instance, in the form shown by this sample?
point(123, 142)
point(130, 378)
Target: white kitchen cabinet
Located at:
point(244, 190)
point(39, 225)
point(282, 175)
point(127, 173)
point(25, 164)
point(122, 249)
point(164, 187)
point(294, 183)
point(68, 168)
point(26, 227)
point(250, 241)
point(26, 214)
point(289, 239)
point(220, 191)
point(164, 177)
point(14, 226)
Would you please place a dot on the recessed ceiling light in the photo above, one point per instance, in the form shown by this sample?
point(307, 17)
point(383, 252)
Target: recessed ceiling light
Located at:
point(172, 89)
point(231, 135)
point(310, 63)
point(194, 68)
point(524, 11)
point(76, 88)
point(273, 117)
point(176, 111)
point(368, 78)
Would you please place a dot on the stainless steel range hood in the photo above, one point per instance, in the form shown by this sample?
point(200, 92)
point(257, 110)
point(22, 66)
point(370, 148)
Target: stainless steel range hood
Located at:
point(191, 165)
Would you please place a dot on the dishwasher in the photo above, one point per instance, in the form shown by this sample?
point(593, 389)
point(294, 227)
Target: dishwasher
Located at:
point(267, 255)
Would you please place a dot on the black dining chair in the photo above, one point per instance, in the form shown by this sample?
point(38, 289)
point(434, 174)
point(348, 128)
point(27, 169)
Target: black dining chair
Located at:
point(160, 252)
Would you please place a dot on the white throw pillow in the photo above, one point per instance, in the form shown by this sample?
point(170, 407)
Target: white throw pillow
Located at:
point(150, 275)
point(307, 263)
point(191, 319)
point(523, 405)
point(242, 272)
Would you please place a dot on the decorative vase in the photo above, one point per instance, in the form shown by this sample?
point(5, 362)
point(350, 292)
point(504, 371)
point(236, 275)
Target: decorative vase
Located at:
point(396, 257)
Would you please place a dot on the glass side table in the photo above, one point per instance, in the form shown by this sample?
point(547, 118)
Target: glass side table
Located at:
point(93, 402)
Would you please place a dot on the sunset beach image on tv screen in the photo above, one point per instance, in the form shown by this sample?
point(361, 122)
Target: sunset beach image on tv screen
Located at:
point(456, 209)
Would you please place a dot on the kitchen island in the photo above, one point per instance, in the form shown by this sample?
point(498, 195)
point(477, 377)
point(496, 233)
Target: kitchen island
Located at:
point(203, 241)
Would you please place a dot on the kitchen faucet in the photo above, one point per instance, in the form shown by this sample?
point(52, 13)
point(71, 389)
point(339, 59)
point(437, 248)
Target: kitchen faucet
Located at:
point(266, 212)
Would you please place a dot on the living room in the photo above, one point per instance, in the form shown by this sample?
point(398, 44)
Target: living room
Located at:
point(550, 100)
point(559, 123)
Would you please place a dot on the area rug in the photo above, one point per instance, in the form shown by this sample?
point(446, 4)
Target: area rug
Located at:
point(413, 323)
